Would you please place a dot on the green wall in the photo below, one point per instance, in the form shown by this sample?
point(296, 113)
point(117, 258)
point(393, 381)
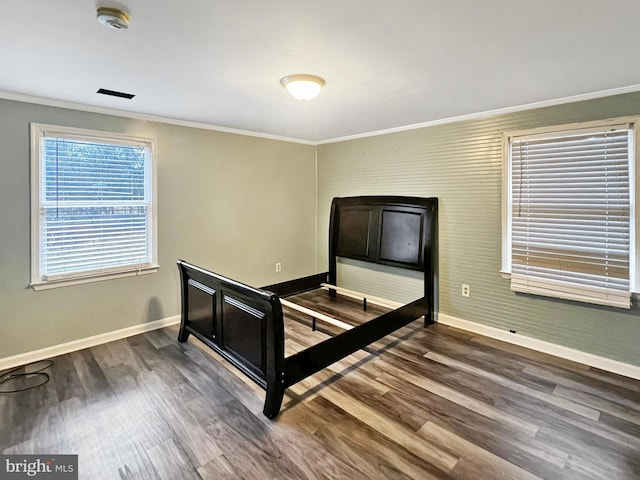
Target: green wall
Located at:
point(231, 203)
point(461, 164)
point(238, 204)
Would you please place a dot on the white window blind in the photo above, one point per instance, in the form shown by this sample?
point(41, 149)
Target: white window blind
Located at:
point(570, 215)
point(95, 206)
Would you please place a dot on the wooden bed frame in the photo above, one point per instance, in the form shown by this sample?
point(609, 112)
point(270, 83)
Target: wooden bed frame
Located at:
point(245, 325)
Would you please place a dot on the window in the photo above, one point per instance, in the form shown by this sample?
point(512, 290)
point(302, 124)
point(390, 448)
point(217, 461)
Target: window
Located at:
point(569, 226)
point(93, 206)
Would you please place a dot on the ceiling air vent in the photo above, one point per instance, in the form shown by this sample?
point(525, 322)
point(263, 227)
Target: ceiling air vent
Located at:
point(113, 93)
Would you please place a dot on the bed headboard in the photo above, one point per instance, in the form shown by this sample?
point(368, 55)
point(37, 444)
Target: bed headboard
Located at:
point(395, 231)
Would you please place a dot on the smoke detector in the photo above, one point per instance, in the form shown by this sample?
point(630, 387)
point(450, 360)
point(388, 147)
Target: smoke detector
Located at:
point(113, 18)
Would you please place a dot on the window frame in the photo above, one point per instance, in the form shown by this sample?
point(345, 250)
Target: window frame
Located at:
point(634, 189)
point(38, 132)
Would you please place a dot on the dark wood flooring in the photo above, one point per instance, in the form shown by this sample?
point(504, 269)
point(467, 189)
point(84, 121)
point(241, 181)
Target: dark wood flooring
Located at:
point(435, 403)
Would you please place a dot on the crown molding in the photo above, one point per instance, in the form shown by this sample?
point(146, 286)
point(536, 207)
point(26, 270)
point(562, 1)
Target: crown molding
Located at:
point(51, 102)
point(205, 126)
point(489, 113)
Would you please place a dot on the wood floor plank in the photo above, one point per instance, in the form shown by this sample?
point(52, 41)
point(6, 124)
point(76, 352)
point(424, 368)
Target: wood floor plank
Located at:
point(307, 451)
point(612, 378)
point(470, 403)
point(194, 440)
point(437, 456)
point(564, 403)
point(475, 462)
point(64, 377)
point(171, 462)
point(219, 469)
point(621, 411)
point(120, 352)
point(24, 448)
point(377, 456)
point(91, 375)
point(28, 410)
point(227, 377)
point(246, 442)
point(199, 379)
point(158, 339)
point(414, 407)
point(577, 427)
point(49, 432)
point(166, 364)
point(622, 391)
point(132, 461)
point(616, 424)
point(589, 459)
point(303, 418)
point(521, 354)
point(144, 422)
point(88, 436)
point(109, 429)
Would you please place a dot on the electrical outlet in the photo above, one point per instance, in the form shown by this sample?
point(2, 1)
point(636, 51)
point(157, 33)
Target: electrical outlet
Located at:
point(278, 267)
point(466, 291)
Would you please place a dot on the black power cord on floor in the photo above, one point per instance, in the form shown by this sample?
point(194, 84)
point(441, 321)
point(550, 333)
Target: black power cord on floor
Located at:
point(33, 370)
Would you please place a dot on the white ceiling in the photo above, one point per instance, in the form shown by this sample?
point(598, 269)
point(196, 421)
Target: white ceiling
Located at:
point(387, 63)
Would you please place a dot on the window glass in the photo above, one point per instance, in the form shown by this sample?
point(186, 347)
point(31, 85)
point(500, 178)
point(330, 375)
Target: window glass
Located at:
point(569, 217)
point(94, 204)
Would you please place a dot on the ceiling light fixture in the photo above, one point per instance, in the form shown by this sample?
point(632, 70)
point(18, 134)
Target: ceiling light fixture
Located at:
point(113, 18)
point(303, 86)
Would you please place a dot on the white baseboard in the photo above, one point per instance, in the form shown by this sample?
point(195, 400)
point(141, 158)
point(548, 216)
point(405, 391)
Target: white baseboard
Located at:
point(567, 353)
point(48, 352)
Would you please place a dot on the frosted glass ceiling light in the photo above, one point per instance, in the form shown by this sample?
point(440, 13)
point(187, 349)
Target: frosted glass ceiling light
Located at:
point(113, 18)
point(303, 86)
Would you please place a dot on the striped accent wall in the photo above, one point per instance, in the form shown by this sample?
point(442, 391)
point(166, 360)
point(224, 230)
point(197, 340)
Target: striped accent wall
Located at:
point(461, 164)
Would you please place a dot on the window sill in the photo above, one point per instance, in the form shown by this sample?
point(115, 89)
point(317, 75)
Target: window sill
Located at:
point(507, 276)
point(37, 286)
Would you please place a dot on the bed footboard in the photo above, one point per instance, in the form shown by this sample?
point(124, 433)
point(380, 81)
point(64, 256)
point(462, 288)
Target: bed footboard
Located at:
point(243, 324)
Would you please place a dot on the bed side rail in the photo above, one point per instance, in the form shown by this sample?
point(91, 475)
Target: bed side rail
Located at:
point(313, 359)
